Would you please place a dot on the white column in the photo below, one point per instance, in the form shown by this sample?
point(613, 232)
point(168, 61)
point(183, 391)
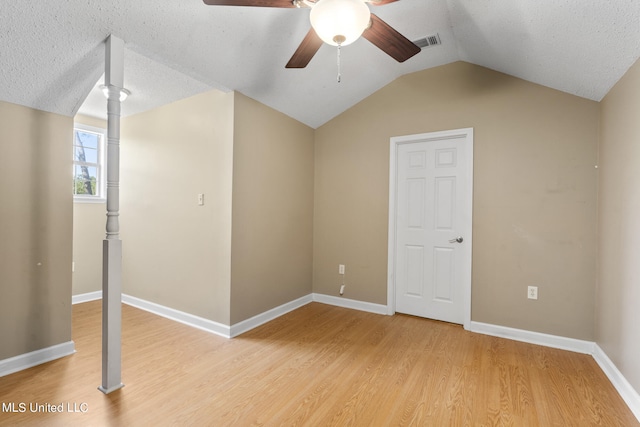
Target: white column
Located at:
point(112, 245)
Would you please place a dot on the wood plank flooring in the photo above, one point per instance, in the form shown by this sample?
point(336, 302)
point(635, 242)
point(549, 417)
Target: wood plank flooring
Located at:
point(317, 366)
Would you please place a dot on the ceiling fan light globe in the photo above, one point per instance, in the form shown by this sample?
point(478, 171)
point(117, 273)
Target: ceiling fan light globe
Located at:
point(335, 20)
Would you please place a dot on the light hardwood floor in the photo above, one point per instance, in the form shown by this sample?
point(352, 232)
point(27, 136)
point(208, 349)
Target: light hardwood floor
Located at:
point(317, 366)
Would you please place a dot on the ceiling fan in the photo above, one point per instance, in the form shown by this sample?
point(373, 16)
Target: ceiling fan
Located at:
point(338, 23)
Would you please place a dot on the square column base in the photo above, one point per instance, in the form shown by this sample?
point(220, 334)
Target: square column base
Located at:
point(111, 315)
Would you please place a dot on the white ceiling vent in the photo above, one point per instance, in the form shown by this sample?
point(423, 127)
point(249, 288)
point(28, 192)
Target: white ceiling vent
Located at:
point(428, 41)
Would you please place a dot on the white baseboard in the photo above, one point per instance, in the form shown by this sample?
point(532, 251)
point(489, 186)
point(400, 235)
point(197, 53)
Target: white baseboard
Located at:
point(350, 303)
point(554, 341)
point(28, 360)
point(89, 296)
point(262, 318)
point(626, 390)
point(178, 316)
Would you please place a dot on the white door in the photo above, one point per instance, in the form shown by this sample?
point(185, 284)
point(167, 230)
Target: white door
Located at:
point(431, 263)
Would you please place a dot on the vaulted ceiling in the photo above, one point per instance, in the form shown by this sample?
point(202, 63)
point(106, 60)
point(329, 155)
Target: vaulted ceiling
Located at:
point(52, 52)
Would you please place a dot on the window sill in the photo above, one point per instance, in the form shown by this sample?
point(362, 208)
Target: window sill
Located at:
point(89, 200)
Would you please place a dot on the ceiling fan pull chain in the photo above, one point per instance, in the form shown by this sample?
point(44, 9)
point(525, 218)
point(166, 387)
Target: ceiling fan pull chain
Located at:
point(339, 76)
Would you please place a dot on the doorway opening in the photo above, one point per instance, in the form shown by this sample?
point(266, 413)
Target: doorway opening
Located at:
point(430, 225)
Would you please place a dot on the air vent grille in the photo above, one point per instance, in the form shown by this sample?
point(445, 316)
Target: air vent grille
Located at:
point(428, 41)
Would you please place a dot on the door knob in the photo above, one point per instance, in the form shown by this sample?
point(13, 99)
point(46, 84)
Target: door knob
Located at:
point(457, 240)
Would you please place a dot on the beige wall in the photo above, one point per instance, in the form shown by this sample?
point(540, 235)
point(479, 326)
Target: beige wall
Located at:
point(89, 221)
point(243, 156)
point(534, 193)
point(176, 253)
point(272, 209)
point(618, 289)
point(35, 229)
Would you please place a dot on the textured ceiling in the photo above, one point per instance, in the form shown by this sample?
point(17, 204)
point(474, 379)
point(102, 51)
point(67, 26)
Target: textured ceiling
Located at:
point(52, 52)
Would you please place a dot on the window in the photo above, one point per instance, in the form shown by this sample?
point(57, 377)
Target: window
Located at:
point(89, 181)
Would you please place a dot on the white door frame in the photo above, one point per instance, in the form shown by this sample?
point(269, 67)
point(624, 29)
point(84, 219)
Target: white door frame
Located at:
point(467, 134)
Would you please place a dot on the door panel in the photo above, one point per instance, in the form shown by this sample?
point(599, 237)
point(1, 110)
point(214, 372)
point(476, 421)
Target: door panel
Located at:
point(415, 202)
point(443, 266)
point(444, 207)
point(415, 270)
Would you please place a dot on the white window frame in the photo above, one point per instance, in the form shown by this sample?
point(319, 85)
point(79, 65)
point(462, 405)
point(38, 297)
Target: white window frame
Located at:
point(101, 185)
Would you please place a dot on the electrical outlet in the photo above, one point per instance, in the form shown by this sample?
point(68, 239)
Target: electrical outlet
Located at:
point(340, 268)
point(532, 292)
point(342, 290)
point(200, 199)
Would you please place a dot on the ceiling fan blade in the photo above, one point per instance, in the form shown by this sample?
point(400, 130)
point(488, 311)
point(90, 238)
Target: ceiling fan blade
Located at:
point(309, 46)
point(254, 3)
point(389, 40)
point(380, 2)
